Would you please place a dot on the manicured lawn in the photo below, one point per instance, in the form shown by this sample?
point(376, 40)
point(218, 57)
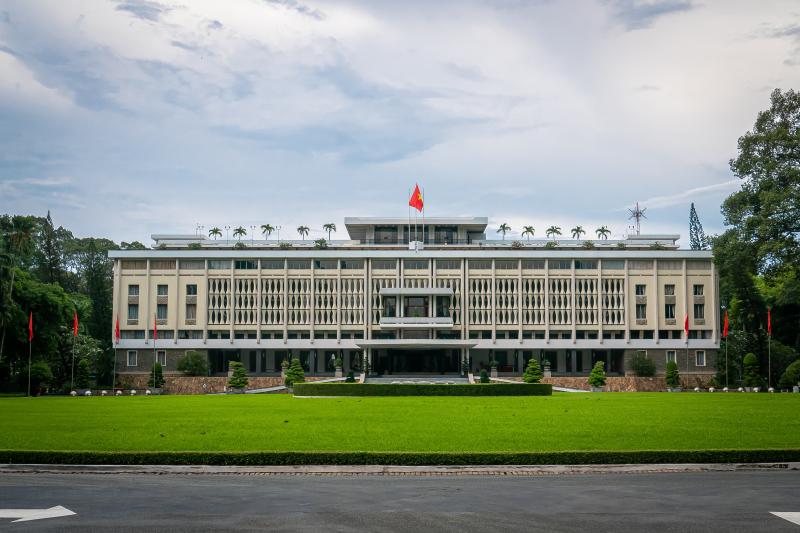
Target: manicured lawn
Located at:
point(646, 421)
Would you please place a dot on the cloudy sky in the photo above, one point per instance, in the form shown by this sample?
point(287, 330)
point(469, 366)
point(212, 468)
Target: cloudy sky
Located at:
point(129, 117)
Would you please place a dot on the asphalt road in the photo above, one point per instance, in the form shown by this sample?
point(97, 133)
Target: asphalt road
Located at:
point(711, 501)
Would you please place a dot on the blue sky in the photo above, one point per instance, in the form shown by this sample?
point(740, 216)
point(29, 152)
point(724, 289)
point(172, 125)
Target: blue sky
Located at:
point(130, 117)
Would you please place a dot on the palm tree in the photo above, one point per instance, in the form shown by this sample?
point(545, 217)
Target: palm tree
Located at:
point(504, 228)
point(603, 232)
point(529, 231)
point(267, 230)
point(552, 231)
point(303, 231)
point(215, 232)
point(577, 231)
point(239, 233)
point(329, 228)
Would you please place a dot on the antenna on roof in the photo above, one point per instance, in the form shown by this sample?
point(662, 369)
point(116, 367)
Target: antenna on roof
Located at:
point(637, 214)
point(198, 229)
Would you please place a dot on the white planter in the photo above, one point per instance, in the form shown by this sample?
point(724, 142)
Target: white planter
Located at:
point(493, 373)
point(338, 373)
point(597, 389)
point(547, 372)
point(674, 389)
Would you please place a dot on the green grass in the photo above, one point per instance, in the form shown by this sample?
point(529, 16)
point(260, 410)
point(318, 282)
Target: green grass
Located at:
point(629, 421)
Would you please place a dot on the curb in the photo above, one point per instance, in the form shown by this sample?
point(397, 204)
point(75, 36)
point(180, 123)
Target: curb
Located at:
point(395, 470)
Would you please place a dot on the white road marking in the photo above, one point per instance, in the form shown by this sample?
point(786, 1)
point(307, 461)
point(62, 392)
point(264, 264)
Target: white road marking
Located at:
point(24, 515)
point(791, 517)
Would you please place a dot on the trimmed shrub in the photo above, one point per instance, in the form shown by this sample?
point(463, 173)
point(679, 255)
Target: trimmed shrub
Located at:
point(238, 379)
point(533, 373)
point(294, 374)
point(597, 377)
point(410, 389)
point(791, 376)
point(484, 377)
point(82, 374)
point(193, 364)
point(41, 375)
point(156, 379)
point(751, 376)
point(642, 366)
point(672, 376)
point(351, 378)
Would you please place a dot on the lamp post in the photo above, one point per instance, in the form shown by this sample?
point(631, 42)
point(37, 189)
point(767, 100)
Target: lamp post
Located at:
point(227, 234)
point(252, 232)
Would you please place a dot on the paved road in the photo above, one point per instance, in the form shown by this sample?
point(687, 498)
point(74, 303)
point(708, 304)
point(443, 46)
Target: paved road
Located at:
point(711, 501)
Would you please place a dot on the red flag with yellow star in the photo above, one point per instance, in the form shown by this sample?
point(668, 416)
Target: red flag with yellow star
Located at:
point(416, 199)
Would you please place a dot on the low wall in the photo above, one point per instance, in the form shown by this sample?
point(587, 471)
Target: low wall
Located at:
point(199, 384)
point(627, 383)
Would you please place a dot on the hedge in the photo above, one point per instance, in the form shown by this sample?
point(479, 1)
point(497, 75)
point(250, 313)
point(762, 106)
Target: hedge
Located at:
point(413, 389)
point(399, 458)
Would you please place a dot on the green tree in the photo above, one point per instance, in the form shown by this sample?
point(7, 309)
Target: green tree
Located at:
point(41, 376)
point(329, 227)
point(751, 375)
point(294, 374)
point(603, 232)
point(239, 232)
point(156, 380)
point(791, 377)
point(528, 231)
point(302, 231)
point(504, 228)
point(238, 379)
point(82, 374)
point(533, 373)
point(267, 230)
point(215, 232)
point(597, 377)
point(697, 237)
point(642, 366)
point(135, 245)
point(320, 244)
point(553, 231)
point(672, 376)
point(577, 232)
point(193, 364)
point(17, 247)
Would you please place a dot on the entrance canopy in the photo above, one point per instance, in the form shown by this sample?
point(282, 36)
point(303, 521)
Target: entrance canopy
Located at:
point(416, 344)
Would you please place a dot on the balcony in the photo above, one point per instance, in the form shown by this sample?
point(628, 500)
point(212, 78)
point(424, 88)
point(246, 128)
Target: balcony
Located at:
point(162, 299)
point(190, 299)
point(133, 322)
point(161, 321)
point(424, 322)
point(134, 300)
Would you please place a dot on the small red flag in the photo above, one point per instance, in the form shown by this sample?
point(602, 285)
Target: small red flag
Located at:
point(769, 322)
point(725, 326)
point(30, 327)
point(686, 325)
point(155, 330)
point(416, 199)
point(75, 324)
point(116, 331)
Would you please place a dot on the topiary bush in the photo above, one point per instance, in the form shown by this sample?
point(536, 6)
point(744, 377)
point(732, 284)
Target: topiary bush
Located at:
point(672, 376)
point(642, 366)
point(82, 374)
point(484, 377)
point(597, 377)
point(193, 364)
point(294, 374)
point(751, 376)
point(156, 379)
point(533, 372)
point(41, 376)
point(791, 376)
point(238, 379)
point(351, 378)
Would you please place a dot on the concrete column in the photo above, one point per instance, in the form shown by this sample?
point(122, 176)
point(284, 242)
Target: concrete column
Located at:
point(205, 303)
point(561, 357)
point(285, 299)
point(145, 309)
point(519, 300)
point(627, 302)
point(176, 312)
point(600, 300)
point(494, 305)
point(573, 313)
point(547, 301)
point(338, 301)
point(657, 313)
point(312, 305)
point(260, 304)
point(232, 301)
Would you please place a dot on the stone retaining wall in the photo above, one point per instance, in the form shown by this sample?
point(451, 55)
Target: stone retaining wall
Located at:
point(628, 383)
point(195, 385)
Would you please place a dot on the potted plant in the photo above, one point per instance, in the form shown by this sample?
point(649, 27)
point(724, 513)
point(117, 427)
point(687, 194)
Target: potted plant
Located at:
point(484, 377)
point(672, 377)
point(533, 373)
point(284, 367)
point(597, 377)
point(351, 378)
point(156, 380)
point(337, 364)
point(493, 366)
point(546, 366)
point(238, 379)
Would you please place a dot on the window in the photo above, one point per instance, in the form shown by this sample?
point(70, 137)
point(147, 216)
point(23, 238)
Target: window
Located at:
point(585, 265)
point(505, 264)
point(560, 265)
point(133, 265)
point(133, 290)
point(671, 358)
point(132, 334)
point(390, 306)
point(133, 312)
point(161, 357)
point(272, 264)
point(298, 264)
point(641, 353)
point(640, 265)
point(669, 311)
point(641, 311)
point(442, 306)
point(192, 264)
point(670, 265)
point(162, 265)
point(191, 311)
point(448, 264)
point(415, 264)
point(698, 290)
point(640, 290)
point(384, 264)
point(161, 311)
point(132, 358)
point(191, 290)
point(219, 264)
point(669, 290)
point(699, 311)
point(613, 264)
point(416, 306)
point(325, 264)
point(162, 290)
point(245, 264)
point(700, 358)
point(533, 264)
point(480, 264)
point(352, 264)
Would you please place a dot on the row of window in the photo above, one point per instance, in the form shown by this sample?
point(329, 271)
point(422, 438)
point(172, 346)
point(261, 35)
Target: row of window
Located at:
point(133, 357)
point(669, 290)
point(672, 356)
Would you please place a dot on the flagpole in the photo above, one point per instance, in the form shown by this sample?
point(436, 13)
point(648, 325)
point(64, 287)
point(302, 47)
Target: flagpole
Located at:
point(30, 344)
point(408, 235)
point(155, 338)
point(769, 347)
point(72, 381)
point(423, 215)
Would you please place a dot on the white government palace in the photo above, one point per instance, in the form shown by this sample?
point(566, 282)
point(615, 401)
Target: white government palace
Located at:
point(446, 301)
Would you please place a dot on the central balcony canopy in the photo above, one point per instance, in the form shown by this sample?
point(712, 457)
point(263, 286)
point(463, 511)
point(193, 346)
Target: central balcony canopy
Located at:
point(424, 322)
